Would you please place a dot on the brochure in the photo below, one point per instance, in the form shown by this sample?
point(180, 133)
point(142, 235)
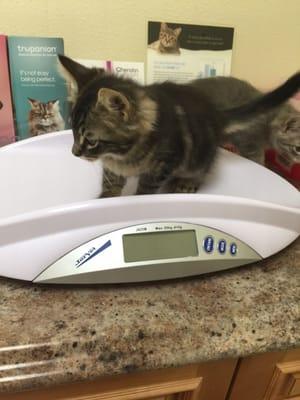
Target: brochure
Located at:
point(39, 92)
point(182, 52)
point(128, 69)
point(7, 131)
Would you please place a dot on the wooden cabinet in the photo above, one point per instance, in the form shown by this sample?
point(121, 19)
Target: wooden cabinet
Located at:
point(285, 382)
point(269, 376)
point(193, 382)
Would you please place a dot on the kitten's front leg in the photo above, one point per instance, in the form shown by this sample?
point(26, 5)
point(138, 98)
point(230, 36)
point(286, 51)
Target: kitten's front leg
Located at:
point(112, 184)
point(183, 185)
point(150, 184)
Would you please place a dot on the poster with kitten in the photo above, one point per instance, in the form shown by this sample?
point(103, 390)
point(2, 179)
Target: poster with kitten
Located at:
point(7, 131)
point(39, 91)
point(182, 52)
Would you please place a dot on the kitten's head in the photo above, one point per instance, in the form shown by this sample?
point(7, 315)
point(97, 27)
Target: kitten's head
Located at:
point(43, 113)
point(286, 132)
point(109, 113)
point(167, 36)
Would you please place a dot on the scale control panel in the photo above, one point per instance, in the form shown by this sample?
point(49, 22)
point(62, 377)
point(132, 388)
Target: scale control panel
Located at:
point(150, 251)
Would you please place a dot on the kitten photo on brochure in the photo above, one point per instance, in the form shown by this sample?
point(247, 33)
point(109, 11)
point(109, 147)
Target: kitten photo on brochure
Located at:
point(167, 134)
point(167, 42)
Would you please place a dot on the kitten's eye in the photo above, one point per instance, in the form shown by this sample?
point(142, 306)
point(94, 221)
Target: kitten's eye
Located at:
point(297, 150)
point(81, 130)
point(91, 142)
point(106, 142)
point(290, 124)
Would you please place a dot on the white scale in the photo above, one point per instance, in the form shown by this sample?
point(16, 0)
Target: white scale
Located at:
point(54, 229)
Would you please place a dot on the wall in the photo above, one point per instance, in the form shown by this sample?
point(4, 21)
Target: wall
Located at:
point(267, 32)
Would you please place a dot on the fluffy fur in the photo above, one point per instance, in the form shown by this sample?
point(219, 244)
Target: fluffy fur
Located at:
point(165, 133)
point(44, 117)
point(278, 129)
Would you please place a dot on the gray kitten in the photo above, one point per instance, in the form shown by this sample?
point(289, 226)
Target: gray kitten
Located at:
point(44, 117)
point(279, 128)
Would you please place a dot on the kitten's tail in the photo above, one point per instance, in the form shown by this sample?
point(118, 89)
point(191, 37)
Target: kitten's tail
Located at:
point(266, 102)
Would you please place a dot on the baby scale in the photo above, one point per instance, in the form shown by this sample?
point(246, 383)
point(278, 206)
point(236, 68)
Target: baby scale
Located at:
point(54, 229)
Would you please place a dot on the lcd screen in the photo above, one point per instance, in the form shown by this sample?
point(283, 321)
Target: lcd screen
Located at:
point(159, 245)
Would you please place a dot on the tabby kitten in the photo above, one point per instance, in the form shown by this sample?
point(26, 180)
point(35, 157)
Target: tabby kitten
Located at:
point(278, 129)
point(167, 134)
point(285, 132)
point(168, 40)
point(44, 117)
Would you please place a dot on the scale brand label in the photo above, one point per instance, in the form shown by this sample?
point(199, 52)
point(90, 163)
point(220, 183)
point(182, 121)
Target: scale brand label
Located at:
point(91, 253)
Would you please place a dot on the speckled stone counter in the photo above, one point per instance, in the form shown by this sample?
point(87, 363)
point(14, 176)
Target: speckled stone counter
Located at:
point(51, 335)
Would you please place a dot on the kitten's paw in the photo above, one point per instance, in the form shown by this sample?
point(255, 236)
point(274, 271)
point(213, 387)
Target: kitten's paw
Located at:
point(177, 185)
point(104, 195)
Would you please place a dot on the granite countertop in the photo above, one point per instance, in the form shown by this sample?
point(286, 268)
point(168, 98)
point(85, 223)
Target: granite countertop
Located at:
point(51, 335)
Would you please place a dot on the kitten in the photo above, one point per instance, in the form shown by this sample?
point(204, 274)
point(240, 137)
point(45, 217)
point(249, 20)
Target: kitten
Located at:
point(279, 128)
point(285, 133)
point(168, 40)
point(44, 117)
point(167, 134)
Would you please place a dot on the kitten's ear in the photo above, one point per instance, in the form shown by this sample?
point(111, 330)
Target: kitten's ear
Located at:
point(32, 102)
point(77, 75)
point(114, 101)
point(54, 103)
point(177, 31)
point(163, 26)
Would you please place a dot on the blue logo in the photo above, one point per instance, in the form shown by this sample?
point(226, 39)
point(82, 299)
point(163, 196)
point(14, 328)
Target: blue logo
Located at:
point(91, 254)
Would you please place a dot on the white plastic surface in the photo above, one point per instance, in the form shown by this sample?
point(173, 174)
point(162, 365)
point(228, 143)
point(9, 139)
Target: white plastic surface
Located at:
point(41, 172)
point(49, 204)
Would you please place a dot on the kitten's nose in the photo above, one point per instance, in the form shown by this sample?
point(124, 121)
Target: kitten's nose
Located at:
point(76, 150)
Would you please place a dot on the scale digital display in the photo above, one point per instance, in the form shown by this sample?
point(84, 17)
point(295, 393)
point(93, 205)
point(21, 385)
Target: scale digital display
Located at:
point(159, 245)
point(149, 252)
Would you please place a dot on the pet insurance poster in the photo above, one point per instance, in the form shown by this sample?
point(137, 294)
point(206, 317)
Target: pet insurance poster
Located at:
point(182, 52)
point(39, 91)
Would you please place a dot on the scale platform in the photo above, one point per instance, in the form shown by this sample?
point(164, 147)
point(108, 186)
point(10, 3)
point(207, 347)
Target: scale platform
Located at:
point(54, 229)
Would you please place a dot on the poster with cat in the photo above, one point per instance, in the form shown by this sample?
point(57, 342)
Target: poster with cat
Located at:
point(182, 52)
point(39, 91)
point(7, 132)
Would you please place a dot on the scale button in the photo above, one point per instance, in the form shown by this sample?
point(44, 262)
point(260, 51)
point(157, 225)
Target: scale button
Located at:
point(222, 246)
point(233, 249)
point(208, 244)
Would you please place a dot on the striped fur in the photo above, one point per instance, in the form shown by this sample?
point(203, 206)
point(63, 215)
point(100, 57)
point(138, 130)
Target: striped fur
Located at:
point(165, 133)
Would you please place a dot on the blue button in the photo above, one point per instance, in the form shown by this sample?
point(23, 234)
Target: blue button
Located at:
point(233, 249)
point(222, 246)
point(208, 244)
